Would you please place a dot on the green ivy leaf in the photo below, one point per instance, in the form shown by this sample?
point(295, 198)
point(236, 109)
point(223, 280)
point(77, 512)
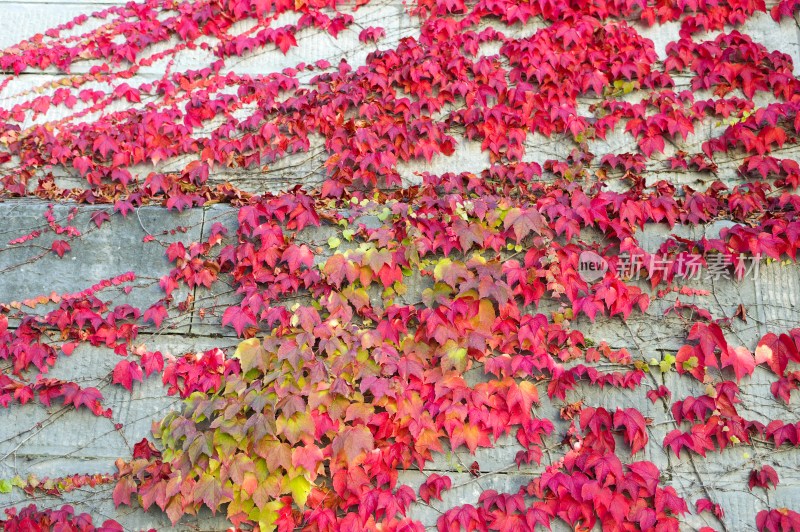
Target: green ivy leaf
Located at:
point(690, 364)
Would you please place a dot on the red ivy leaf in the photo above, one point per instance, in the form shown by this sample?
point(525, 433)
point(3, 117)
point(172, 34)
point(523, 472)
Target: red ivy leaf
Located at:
point(740, 359)
point(651, 143)
point(677, 440)
point(100, 217)
point(156, 314)
point(433, 487)
point(129, 93)
point(779, 432)
point(69, 347)
point(125, 373)
point(152, 362)
point(782, 388)
point(763, 477)
point(776, 351)
point(176, 251)
point(284, 40)
point(352, 442)
point(634, 424)
point(90, 398)
point(660, 392)
point(60, 247)
point(668, 499)
point(123, 490)
point(145, 450)
point(523, 221)
point(705, 505)
point(371, 34)
point(778, 520)
point(238, 318)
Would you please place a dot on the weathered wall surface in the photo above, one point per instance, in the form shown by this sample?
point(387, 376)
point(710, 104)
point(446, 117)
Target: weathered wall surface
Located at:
point(61, 441)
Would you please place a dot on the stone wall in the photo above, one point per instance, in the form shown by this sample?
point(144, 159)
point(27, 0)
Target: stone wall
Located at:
point(50, 442)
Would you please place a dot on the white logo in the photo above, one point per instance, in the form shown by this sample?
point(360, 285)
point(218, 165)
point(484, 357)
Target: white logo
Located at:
point(591, 266)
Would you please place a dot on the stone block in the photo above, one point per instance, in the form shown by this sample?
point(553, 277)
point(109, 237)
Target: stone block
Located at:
point(31, 269)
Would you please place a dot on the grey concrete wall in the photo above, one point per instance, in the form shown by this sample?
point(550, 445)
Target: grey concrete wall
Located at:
point(50, 442)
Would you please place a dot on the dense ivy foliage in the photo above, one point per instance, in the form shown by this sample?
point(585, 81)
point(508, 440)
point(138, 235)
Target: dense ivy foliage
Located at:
point(436, 312)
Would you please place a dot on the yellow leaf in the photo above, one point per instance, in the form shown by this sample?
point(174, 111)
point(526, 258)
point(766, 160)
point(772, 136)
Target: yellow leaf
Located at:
point(439, 269)
point(246, 350)
point(300, 488)
point(763, 354)
point(268, 515)
point(455, 357)
point(690, 364)
point(486, 316)
point(400, 288)
point(529, 392)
